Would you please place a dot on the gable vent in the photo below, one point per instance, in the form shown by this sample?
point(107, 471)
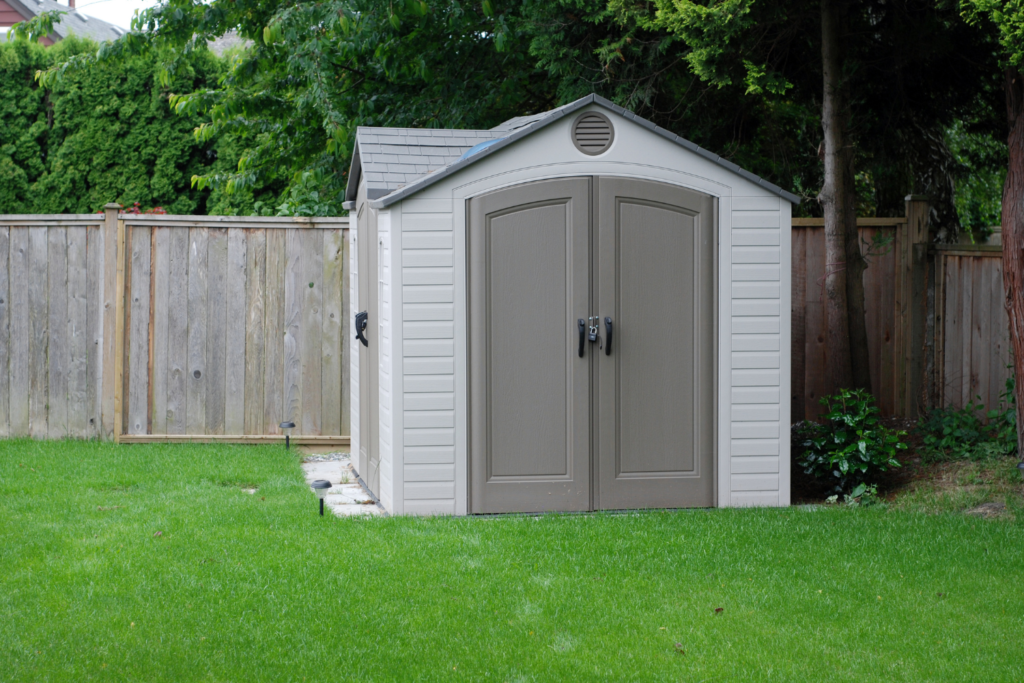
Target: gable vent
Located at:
point(592, 133)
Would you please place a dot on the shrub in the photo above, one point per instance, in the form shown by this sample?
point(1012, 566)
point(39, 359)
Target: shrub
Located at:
point(851, 447)
point(963, 434)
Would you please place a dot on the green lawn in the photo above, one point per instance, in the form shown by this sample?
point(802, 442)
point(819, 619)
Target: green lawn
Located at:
point(240, 587)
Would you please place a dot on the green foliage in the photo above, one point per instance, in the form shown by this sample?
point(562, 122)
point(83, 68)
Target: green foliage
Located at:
point(850, 448)
point(104, 134)
point(1007, 18)
point(315, 71)
point(962, 434)
point(979, 189)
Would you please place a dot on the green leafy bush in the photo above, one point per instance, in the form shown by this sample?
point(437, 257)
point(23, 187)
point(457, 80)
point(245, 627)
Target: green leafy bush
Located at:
point(851, 447)
point(964, 434)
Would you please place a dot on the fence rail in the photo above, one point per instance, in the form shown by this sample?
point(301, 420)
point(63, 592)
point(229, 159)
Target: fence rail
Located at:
point(173, 328)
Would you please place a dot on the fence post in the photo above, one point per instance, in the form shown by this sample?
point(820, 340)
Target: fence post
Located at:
point(920, 317)
point(109, 271)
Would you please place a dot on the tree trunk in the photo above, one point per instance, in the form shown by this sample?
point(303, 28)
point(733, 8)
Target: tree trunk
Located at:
point(834, 196)
point(1013, 236)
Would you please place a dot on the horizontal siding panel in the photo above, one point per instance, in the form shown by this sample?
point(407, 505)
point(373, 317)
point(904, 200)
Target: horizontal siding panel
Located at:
point(755, 219)
point(748, 447)
point(754, 430)
point(755, 378)
point(417, 384)
point(744, 307)
point(432, 258)
point(756, 342)
point(747, 273)
point(427, 240)
point(755, 482)
point(444, 401)
point(429, 507)
point(746, 360)
point(751, 395)
point(413, 312)
point(752, 499)
point(429, 473)
point(757, 325)
point(429, 419)
point(756, 255)
point(756, 290)
point(428, 276)
point(756, 465)
point(761, 203)
point(755, 413)
point(756, 238)
point(429, 366)
point(429, 455)
point(424, 221)
point(428, 294)
point(428, 347)
point(429, 490)
point(416, 205)
point(429, 437)
point(428, 330)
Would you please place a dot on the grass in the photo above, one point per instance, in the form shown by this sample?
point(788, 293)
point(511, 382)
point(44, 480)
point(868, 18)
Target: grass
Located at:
point(150, 563)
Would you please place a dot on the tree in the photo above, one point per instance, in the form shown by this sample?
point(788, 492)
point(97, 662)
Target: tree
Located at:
point(1004, 19)
point(104, 134)
point(314, 71)
point(764, 46)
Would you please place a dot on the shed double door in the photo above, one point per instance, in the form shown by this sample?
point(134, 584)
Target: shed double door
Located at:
point(630, 422)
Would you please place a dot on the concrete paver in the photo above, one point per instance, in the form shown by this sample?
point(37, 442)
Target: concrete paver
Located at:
point(346, 496)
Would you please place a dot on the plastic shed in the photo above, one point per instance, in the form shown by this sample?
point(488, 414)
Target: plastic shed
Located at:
point(575, 310)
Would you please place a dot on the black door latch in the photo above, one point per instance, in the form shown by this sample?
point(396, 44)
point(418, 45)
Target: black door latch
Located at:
point(361, 326)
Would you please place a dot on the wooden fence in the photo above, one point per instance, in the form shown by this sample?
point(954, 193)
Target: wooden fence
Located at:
point(883, 294)
point(972, 348)
point(168, 328)
point(938, 332)
point(53, 324)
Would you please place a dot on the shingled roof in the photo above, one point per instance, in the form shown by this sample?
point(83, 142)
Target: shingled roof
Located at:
point(72, 23)
point(398, 162)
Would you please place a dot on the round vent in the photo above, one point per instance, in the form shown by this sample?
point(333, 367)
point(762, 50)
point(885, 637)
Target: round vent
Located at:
point(592, 133)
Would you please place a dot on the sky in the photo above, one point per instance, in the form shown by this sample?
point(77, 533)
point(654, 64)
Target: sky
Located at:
point(117, 12)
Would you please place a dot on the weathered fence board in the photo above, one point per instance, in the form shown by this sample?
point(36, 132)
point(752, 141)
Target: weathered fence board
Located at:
point(810, 376)
point(973, 345)
point(50, 367)
point(5, 337)
point(149, 328)
point(78, 331)
point(262, 325)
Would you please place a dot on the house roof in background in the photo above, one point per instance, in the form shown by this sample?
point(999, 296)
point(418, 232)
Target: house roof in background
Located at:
point(398, 162)
point(72, 23)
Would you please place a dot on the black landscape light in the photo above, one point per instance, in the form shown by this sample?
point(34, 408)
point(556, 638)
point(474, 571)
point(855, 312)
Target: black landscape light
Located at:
point(1020, 468)
point(320, 487)
point(287, 428)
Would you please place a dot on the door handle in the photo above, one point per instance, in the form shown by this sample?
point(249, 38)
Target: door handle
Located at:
point(360, 326)
point(608, 336)
point(582, 324)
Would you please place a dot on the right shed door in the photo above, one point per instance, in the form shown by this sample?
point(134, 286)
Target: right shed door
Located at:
point(654, 392)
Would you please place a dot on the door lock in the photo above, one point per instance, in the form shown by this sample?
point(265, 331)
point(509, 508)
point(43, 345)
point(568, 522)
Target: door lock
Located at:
point(594, 328)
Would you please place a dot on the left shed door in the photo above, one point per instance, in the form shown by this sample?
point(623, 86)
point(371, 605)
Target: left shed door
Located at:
point(529, 390)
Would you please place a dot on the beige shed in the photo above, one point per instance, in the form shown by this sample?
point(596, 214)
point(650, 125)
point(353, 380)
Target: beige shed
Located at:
point(573, 311)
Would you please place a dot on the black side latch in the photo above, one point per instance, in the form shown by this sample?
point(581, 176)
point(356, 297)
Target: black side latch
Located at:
point(361, 326)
